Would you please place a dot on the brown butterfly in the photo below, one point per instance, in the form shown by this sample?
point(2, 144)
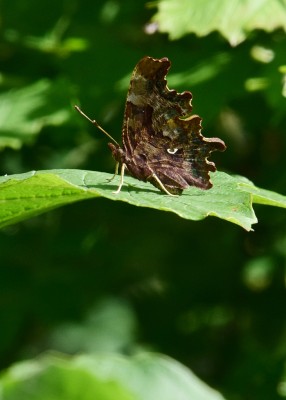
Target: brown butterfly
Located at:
point(162, 141)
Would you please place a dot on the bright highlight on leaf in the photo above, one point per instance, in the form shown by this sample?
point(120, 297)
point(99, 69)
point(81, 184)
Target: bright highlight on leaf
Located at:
point(233, 19)
point(103, 377)
point(23, 196)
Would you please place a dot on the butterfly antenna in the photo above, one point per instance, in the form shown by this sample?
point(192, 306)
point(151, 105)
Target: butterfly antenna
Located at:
point(95, 123)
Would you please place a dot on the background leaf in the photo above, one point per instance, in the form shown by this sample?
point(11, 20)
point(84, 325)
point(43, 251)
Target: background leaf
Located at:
point(27, 110)
point(233, 19)
point(144, 376)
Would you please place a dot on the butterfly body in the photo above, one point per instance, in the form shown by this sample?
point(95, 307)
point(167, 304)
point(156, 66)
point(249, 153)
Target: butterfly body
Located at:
point(162, 141)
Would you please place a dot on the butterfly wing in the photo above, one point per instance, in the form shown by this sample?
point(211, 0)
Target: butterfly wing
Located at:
point(160, 136)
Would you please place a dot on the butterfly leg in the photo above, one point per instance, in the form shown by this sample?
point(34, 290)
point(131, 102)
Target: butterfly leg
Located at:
point(121, 178)
point(162, 186)
point(115, 172)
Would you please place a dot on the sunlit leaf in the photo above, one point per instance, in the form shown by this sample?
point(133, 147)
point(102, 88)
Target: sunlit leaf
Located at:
point(26, 195)
point(104, 377)
point(233, 19)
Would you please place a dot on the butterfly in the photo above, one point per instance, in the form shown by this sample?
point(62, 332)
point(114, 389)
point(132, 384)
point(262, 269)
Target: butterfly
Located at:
point(161, 140)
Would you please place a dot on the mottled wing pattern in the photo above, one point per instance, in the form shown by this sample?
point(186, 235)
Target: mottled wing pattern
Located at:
point(161, 135)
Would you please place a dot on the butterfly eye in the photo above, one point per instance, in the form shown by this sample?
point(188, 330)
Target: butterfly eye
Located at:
point(172, 151)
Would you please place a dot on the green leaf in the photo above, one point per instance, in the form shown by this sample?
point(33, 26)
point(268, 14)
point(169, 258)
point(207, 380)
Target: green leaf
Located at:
point(24, 112)
point(233, 19)
point(53, 378)
point(109, 327)
point(105, 377)
point(26, 195)
point(263, 196)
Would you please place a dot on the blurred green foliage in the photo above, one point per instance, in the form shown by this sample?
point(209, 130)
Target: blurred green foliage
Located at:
point(205, 293)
